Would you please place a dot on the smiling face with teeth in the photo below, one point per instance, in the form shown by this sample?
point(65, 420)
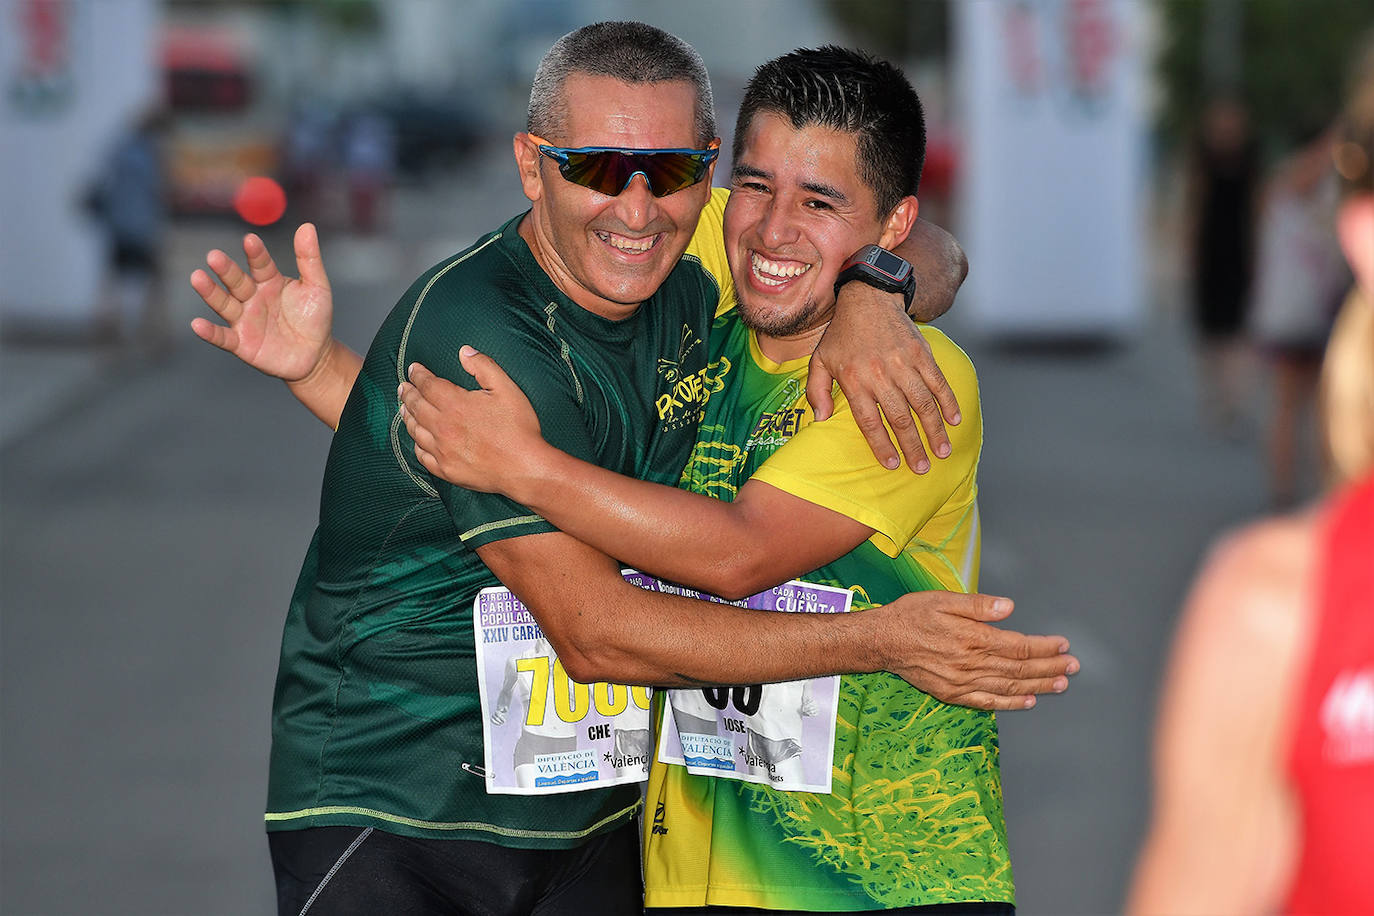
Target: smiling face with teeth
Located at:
point(609, 254)
point(798, 209)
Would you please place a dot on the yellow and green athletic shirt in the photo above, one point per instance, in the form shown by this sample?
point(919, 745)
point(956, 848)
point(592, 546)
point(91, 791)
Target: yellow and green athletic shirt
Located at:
point(915, 815)
point(376, 716)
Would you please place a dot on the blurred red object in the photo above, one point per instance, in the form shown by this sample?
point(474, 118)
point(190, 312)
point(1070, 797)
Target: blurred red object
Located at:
point(260, 200)
point(205, 70)
point(937, 177)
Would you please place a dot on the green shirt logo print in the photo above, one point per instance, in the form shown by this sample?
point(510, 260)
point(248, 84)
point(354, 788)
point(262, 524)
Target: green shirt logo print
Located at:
point(686, 395)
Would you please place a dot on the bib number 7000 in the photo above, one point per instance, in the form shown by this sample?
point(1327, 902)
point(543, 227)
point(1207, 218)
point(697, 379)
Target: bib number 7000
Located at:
point(572, 700)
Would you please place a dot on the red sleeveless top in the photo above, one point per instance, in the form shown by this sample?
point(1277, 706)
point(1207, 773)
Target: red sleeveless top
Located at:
point(1331, 761)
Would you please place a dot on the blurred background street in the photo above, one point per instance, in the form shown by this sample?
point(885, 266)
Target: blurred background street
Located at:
point(156, 497)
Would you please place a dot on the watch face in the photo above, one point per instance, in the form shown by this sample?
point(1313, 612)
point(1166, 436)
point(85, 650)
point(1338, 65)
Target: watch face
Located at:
point(889, 263)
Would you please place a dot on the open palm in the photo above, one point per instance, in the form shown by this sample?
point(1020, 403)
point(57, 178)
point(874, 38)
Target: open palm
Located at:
point(279, 325)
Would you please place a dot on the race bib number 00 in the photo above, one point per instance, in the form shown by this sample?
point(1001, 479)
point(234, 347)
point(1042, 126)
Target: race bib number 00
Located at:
point(779, 735)
point(543, 732)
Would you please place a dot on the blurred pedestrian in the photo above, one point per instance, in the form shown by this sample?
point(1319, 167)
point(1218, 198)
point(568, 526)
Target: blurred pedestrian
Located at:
point(369, 162)
point(1223, 177)
point(1300, 279)
point(307, 156)
point(1264, 767)
point(129, 199)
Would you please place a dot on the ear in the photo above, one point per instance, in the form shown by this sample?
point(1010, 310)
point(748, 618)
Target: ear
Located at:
point(1355, 226)
point(527, 163)
point(899, 222)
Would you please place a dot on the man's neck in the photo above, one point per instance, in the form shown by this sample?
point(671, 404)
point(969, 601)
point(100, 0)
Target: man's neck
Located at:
point(786, 349)
point(562, 278)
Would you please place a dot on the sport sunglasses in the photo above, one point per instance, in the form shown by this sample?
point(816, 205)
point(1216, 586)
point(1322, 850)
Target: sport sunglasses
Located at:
point(609, 170)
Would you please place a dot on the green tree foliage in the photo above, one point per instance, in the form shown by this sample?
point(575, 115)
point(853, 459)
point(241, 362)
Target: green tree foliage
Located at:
point(896, 29)
point(1294, 57)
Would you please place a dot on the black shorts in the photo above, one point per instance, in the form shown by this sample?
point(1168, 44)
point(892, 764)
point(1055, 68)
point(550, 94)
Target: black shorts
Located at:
point(938, 909)
point(343, 871)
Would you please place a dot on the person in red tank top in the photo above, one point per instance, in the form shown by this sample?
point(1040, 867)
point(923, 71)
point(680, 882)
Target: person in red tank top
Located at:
point(1331, 754)
point(1264, 786)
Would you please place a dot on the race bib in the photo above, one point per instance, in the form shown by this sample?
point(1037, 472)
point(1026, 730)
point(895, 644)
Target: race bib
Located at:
point(543, 732)
point(779, 735)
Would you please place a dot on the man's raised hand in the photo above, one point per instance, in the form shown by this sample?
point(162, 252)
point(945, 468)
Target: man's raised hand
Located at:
point(279, 325)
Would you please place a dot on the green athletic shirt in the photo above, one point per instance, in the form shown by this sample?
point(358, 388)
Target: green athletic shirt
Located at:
point(915, 815)
point(376, 718)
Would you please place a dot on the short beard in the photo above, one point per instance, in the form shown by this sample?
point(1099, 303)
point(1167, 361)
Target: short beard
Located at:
point(809, 316)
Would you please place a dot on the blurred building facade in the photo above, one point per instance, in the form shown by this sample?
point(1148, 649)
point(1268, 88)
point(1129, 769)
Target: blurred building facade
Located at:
point(1054, 121)
point(73, 75)
point(447, 75)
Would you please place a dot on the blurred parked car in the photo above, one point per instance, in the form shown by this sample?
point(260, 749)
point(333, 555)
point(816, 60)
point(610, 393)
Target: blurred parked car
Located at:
point(221, 131)
point(430, 132)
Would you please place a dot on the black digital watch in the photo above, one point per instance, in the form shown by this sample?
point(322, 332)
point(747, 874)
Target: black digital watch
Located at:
point(881, 268)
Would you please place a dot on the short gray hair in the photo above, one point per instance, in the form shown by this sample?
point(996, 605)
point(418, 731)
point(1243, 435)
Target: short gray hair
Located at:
point(629, 51)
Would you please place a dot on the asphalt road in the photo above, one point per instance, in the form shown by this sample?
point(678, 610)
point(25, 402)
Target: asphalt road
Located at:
point(152, 530)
